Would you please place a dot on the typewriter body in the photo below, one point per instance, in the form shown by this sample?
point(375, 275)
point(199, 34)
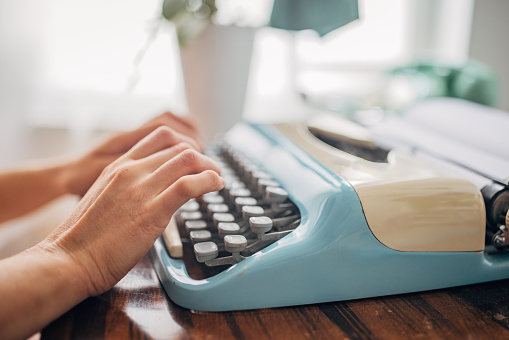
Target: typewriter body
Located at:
point(328, 210)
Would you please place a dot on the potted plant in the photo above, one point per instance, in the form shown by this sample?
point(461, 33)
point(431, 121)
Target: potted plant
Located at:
point(216, 47)
point(215, 62)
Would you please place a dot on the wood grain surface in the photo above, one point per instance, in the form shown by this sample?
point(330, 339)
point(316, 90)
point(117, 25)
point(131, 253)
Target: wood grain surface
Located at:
point(138, 308)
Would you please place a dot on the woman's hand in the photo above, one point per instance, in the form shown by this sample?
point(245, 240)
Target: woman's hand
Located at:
point(130, 205)
point(79, 173)
point(113, 226)
point(31, 185)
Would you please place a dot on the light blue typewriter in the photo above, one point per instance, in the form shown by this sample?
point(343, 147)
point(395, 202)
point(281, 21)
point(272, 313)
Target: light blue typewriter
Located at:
point(328, 210)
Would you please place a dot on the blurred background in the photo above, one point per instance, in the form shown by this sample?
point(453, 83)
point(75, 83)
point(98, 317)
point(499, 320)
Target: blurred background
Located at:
point(70, 70)
point(113, 64)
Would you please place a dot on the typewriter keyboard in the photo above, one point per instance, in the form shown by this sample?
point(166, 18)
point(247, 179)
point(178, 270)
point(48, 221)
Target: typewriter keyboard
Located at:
point(251, 212)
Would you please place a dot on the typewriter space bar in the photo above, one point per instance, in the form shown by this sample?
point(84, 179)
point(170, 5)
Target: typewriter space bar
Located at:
point(172, 239)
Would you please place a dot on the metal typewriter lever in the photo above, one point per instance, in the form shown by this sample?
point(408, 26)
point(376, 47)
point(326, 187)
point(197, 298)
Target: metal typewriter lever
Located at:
point(260, 225)
point(501, 238)
point(276, 211)
point(286, 222)
point(233, 244)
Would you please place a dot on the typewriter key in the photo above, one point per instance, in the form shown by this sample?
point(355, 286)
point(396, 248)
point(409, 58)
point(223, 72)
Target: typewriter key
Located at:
point(200, 235)
point(222, 217)
point(213, 199)
point(195, 225)
point(235, 243)
point(260, 224)
point(227, 228)
point(252, 210)
point(190, 205)
point(191, 215)
point(264, 183)
point(205, 251)
point(217, 208)
point(276, 194)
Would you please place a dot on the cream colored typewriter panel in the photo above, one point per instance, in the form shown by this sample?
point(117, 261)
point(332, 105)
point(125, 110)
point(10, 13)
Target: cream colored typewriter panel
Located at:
point(409, 205)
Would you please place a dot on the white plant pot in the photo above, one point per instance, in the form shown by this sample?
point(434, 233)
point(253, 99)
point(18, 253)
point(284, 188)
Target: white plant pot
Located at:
point(215, 67)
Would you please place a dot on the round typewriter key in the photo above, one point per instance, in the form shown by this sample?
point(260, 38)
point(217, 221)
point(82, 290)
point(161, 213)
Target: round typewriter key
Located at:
point(191, 215)
point(242, 201)
point(195, 225)
point(190, 205)
point(212, 193)
point(264, 183)
point(235, 243)
point(276, 194)
point(200, 235)
point(222, 217)
point(213, 199)
point(240, 192)
point(259, 175)
point(236, 185)
point(217, 208)
point(260, 224)
point(246, 201)
point(205, 251)
point(228, 228)
point(233, 184)
point(227, 171)
point(252, 210)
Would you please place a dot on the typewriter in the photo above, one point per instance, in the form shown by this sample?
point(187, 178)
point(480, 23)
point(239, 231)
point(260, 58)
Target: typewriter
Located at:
point(329, 209)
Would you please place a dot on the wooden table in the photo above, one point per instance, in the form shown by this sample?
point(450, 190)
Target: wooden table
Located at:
point(138, 308)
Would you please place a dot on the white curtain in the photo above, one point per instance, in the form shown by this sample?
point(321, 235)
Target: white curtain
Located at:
point(87, 63)
point(72, 63)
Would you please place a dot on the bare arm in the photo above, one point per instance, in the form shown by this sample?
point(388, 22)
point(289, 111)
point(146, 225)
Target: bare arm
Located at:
point(36, 286)
point(28, 187)
point(128, 207)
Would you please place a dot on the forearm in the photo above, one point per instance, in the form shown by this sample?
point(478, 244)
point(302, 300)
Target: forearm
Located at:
point(29, 187)
point(36, 286)
point(127, 207)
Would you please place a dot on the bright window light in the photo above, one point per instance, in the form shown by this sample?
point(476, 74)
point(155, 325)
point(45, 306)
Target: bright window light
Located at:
point(379, 36)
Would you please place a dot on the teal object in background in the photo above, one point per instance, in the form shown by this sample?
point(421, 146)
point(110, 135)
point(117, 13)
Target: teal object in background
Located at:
point(472, 81)
point(322, 16)
point(331, 256)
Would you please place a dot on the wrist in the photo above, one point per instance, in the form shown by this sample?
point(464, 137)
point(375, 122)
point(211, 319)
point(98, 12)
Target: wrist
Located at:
point(73, 175)
point(29, 187)
point(54, 175)
point(65, 176)
point(40, 283)
point(61, 178)
point(62, 270)
point(80, 264)
point(78, 174)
